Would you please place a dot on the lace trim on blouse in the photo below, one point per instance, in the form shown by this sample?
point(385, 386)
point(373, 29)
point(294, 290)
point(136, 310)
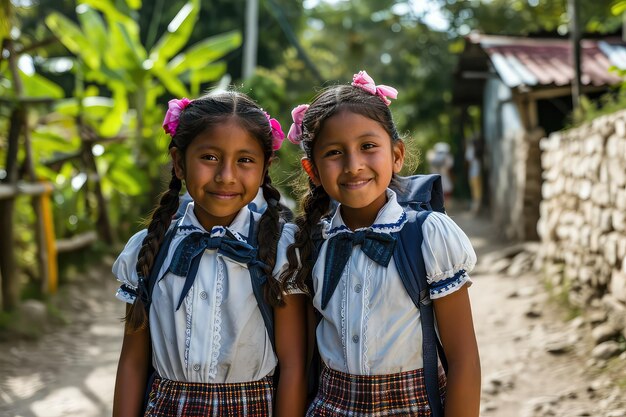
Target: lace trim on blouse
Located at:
point(188, 310)
point(366, 315)
point(376, 227)
point(344, 301)
point(217, 331)
point(444, 287)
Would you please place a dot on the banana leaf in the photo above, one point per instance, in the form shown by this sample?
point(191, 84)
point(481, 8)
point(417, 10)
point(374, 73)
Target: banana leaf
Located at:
point(205, 52)
point(93, 27)
point(73, 39)
point(177, 35)
point(113, 122)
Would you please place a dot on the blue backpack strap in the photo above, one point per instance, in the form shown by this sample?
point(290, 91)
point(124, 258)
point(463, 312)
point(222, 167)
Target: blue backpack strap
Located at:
point(159, 260)
point(152, 279)
point(410, 264)
point(258, 277)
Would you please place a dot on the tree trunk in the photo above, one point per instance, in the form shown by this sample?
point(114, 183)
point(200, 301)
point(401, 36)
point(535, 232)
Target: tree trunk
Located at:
point(8, 266)
point(40, 236)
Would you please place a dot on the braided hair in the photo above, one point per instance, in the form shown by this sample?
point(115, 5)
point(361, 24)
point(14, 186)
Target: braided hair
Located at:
point(199, 116)
point(317, 203)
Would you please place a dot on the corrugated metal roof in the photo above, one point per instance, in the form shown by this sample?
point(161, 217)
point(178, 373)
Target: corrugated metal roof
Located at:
point(542, 62)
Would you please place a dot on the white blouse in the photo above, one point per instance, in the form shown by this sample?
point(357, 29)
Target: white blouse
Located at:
point(370, 325)
point(218, 334)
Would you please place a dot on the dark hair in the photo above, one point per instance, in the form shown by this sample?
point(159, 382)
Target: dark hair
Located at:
point(316, 203)
point(199, 116)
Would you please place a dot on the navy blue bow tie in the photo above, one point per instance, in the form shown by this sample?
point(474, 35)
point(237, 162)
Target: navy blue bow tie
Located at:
point(377, 246)
point(186, 259)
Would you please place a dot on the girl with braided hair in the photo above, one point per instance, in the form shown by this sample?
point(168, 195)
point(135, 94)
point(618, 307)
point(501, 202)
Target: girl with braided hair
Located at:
point(194, 312)
point(351, 253)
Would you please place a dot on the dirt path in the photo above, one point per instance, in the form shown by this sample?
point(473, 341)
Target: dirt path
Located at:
point(535, 362)
point(70, 372)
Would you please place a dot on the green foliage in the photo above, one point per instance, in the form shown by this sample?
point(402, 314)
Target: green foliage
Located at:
point(74, 40)
point(608, 103)
point(115, 88)
point(26, 254)
point(34, 85)
point(118, 167)
point(267, 88)
point(5, 19)
point(177, 35)
point(127, 67)
point(520, 17)
point(618, 7)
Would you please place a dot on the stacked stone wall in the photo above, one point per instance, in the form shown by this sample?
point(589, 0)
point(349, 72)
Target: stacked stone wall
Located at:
point(582, 222)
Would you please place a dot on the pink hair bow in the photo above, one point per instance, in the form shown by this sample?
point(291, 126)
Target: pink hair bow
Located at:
point(277, 132)
point(172, 115)
point(295, 131)
point(363, 81)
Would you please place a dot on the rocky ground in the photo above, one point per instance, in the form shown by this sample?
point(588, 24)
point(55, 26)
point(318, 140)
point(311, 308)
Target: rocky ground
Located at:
point(537, 361)
point(538, 357)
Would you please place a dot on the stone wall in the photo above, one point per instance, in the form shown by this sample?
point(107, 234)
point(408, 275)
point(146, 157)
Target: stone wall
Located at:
point(583, 215)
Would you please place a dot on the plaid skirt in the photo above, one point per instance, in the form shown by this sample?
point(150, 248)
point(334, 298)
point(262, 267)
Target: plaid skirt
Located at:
point(174, 399)
point(401, 394)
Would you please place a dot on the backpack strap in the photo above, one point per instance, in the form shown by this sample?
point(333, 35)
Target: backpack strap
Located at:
point(410, 264)
point(152, 279)
point(159, 260)
point(258, 278)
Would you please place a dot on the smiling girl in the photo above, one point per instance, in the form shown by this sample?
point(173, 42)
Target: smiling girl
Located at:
point(204, 332)
point(369, 335)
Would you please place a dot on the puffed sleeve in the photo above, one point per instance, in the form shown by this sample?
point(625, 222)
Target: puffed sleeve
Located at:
point(286, 239)
point(124, 268)
point(448, 255)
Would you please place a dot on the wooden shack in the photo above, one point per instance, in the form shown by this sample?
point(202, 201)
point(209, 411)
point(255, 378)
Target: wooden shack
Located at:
point(523, 89)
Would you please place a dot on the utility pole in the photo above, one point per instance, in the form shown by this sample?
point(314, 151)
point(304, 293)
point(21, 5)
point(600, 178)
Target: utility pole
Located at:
point(252, 38)
point(276, 10)
point(574, 31)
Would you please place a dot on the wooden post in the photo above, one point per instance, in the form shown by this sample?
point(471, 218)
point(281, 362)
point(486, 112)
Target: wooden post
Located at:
point(8, 265)
point(51, 285)
point(574, 30)
point(42, 250)
point(37, 202)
